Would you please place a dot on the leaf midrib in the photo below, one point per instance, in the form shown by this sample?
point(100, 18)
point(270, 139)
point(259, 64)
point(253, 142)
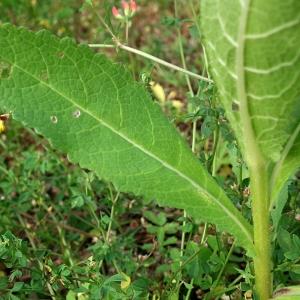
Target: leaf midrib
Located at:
point(250, 136)
point(253, 154)
point(145, 151)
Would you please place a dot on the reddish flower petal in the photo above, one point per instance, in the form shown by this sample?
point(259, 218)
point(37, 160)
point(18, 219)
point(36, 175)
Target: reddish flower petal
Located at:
point(115, 12)
point(125, 5)
point(133, 6)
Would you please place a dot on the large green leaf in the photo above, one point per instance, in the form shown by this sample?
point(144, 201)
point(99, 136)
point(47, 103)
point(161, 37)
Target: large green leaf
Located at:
point(91, 109)
point(254, 49)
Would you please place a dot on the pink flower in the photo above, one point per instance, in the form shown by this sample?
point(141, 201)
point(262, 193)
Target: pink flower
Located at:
point(115, 12)
point(133, 6)
point(128, 10)
point(126, 7)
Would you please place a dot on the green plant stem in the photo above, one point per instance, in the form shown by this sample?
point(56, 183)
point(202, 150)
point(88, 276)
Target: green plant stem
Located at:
point(235, 281)
point(223, 268)
point(260, 213)
point(108, 233)
point(194, 135)
point(259, 178)
point(188, 294)
point(182, 56)
point(112, 212)
point(127, 31)
point(151, 57)
point(215, 149)
point(203, 234)
point(182, 238)
point(196, 21)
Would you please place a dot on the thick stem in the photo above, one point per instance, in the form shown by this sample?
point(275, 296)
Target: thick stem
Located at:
point(259, 177)
point(260, 212)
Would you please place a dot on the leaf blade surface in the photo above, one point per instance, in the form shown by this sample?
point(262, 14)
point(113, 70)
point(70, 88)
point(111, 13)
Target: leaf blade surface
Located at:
point(253, 46)
point(92, 110)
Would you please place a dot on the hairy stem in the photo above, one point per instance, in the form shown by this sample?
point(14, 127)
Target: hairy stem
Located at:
point(260, 212)
point(259, 177)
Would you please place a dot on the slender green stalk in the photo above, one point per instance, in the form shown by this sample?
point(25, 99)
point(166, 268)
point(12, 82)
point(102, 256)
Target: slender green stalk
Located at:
point(196, 21)
point(214, 154)
point(112, 212)
point(203, 234)
point(194, 136)
point(188, 294)
point(151, 57)
point(182, 56)
point(183, 61)
point(127, 31)
point(235, 281)
point(182, 238)
point(215, 284)
point(108, 233)
point(189, 84)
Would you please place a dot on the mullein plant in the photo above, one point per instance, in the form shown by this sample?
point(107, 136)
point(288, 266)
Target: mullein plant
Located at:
point(106, 122)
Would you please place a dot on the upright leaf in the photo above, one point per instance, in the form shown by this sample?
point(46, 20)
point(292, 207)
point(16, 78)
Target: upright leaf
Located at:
point(91, 109)
point(253, 46)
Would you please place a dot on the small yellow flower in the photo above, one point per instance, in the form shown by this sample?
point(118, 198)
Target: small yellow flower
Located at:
point(158, 91)
point(177, 104)
point(125, 283)
point(2, 126)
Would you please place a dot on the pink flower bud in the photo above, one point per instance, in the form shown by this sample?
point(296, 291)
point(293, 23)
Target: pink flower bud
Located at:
point(133, 6)
point(115, 12)
point(126, 8)
point(125, 5)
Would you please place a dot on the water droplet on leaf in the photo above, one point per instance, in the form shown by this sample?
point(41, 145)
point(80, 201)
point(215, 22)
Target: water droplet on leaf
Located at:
point(76, 113)
point(54, 119)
